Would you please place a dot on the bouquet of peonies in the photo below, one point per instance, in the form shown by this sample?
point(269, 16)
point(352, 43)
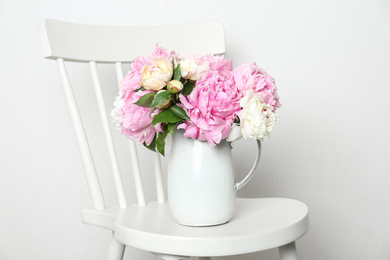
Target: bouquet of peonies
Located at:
point(203, 95)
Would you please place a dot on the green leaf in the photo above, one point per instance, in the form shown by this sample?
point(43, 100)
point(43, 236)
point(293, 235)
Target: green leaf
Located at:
point(139, 89)
point(178, 111)
point(188, 87)
point(166, 116)
point(177, 72)
point(171, 128)
point(174, 98)
point(159, 98)
point(151, 111)
point(173, 66)
point(152, 145)
point(146, 100)
point(161, 141)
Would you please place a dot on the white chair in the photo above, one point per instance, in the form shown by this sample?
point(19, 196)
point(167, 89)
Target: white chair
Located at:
point(257, 225)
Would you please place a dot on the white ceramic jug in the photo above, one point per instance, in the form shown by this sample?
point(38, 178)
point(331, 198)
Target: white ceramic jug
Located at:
point(201, 181)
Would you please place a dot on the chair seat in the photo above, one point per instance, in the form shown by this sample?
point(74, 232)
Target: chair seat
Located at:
point(258, 224)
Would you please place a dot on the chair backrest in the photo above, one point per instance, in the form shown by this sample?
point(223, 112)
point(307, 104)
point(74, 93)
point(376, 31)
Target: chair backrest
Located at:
point(63, 41)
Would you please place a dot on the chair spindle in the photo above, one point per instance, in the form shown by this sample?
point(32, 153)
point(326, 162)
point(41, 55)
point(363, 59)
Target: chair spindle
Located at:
point(108, 135)
point(159, 179)
point(85, 152)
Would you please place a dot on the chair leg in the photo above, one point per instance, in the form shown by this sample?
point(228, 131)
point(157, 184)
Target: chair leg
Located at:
point(288, 252)
point(116, 250)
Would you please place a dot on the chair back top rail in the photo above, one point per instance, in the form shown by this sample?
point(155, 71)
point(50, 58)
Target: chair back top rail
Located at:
point(109, 44)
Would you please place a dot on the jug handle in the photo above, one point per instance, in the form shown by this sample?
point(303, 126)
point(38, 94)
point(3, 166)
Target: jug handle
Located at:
point(247, 178)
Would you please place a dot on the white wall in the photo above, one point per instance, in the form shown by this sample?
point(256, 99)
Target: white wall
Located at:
point(330, 148)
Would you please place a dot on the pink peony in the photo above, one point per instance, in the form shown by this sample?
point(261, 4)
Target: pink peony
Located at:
point(161, 52)
point(220, 64)
point(210, 62)
point(141, 61)
point(212, 107)
point(135, 120)
point(131, 81)
point(252, 77)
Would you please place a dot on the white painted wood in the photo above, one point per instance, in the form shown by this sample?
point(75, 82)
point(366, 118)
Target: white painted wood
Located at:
point(137, 174)
point(116, 250)
point(170, 257)
point(85, 152)
point(159, 179)
point(288, 252)
point(100, 218)
point(108, 136)
point(119, 73)
point(258, 224)
point(133, 150)
point(80, 42)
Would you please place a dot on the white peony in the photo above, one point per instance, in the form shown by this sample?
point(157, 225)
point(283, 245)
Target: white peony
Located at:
point(257, 119)
point(190, 69)
point(156, 75)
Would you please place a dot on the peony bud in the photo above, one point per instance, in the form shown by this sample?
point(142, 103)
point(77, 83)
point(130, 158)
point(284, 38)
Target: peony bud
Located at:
point(174, 86)
point(164, 104)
